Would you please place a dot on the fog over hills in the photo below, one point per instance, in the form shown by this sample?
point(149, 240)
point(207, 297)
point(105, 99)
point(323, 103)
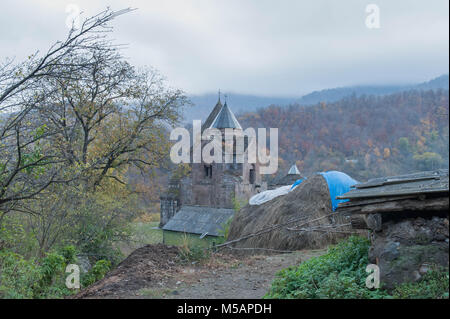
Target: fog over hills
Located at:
point(332, 95)
point(241, 103)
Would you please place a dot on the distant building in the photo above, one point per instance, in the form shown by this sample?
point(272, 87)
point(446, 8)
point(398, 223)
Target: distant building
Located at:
point(213, 188)
point(290, 178)
point(352, 161)
point(293, 170)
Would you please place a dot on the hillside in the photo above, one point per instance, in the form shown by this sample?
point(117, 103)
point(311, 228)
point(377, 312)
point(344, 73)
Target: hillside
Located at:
point(365, 136)
point(241, 103)
point(332, 95)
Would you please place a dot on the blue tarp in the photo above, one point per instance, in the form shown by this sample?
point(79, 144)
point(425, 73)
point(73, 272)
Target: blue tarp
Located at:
point(297, 182)
point(338, 183)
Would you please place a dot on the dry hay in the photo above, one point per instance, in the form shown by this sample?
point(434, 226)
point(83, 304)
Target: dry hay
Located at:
point(310, 200)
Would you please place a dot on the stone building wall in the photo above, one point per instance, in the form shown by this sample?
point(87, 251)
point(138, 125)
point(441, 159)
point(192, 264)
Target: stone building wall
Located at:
point(186, 195)
point(169, 207)
point(218, 186)
point(405, 249)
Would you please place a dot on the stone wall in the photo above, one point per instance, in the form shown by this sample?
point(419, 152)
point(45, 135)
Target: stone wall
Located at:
point(169, 207)
point(405, 249)
point(228, 181)
point(215, 187)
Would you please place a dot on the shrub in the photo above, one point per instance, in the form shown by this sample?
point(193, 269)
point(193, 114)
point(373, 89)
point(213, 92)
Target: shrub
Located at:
point(51, 265)
point(341, 274)
point(189, 253)
point(433, 285)
point(53, 276)
point(22, 278)
point(193, 254)
point(96, 273)
point(18, 277)
point(225, 228)
point(338, 274)
point(69, 253)
point(238, 203)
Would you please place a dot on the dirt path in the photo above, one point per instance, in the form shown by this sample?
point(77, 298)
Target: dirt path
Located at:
point(243, 278)
point(155, 271)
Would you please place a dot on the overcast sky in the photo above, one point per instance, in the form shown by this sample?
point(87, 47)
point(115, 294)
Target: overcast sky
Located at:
point(264, 47)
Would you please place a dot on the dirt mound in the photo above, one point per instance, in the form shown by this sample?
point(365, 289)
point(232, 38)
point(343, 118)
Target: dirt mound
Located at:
point(142, 268)
point(310, 200)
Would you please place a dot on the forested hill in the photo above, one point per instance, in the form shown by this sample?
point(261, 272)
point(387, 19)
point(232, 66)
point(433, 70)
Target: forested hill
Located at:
point(240, 103)
point(365, 136)
point(203, 104)
point(332, 95)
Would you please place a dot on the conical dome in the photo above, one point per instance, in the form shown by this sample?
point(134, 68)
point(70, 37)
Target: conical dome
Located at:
point(225, 119)
point(293, 170)
point(212, 115)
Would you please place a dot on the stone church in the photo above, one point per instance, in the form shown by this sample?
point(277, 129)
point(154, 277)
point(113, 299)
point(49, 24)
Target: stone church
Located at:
point(201, 201)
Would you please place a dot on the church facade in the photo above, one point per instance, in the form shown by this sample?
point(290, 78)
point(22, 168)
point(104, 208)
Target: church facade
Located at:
point(212, 187)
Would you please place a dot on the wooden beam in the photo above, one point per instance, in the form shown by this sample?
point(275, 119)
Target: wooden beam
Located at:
point(430, 204)
point(360, 202)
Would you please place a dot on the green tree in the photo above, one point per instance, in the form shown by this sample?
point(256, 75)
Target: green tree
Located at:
point(428, 161)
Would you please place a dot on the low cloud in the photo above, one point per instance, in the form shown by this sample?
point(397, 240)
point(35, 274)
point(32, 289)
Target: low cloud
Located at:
point(261, 47)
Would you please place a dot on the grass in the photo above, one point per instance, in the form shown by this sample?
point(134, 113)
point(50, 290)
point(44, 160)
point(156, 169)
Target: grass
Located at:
point(143, 234)
point(147, 233)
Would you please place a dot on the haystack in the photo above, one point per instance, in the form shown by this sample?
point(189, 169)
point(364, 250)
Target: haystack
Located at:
point(310, 200)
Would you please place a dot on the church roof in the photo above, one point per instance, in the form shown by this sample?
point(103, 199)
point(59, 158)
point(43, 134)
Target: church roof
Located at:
point(293, 170)
point(199, 220)
point(225, 119)
point(212, 115)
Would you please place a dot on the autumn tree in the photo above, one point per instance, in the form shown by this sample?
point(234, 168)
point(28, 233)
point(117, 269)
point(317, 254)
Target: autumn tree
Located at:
point(111, 116)
point(74, 123)
point(27, 165)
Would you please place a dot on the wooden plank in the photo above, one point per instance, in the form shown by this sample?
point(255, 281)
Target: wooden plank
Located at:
point(420, 176)
point(432, 204)
point(361, 202)
point(389, 191)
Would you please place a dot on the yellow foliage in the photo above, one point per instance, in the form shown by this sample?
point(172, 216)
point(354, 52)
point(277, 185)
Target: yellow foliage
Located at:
point(376, 151)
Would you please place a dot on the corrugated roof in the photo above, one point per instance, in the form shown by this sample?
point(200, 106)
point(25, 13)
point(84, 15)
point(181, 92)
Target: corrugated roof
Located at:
point(411, 184)
point(199, 220)
point(225, 119)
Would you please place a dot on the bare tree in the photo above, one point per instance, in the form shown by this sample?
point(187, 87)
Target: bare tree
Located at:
point(27, 164)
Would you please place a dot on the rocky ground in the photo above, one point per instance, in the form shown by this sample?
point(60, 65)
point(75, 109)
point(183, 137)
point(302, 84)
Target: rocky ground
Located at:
point(155, 271)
